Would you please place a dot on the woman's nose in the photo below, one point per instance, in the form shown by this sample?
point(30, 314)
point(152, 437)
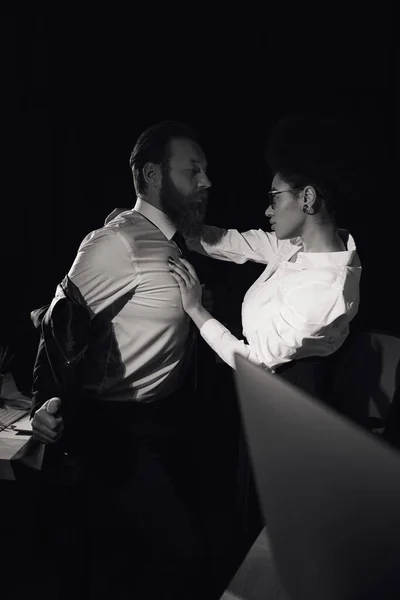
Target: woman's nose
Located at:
point(269, 212)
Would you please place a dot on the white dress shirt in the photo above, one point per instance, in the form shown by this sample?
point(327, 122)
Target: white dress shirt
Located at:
point(130, 254)
point(295, 309)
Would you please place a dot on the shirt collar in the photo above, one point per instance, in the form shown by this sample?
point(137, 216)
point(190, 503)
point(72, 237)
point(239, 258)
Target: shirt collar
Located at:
point(327, 259)
point(156, 216)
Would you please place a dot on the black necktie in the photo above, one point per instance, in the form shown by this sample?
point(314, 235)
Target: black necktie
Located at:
point(180, 242)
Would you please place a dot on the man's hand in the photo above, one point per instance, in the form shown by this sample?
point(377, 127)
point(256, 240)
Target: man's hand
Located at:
point(47, 423)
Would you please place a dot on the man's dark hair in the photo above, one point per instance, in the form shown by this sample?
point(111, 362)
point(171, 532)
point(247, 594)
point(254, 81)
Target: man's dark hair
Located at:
point(153, 146)
point(319, 150)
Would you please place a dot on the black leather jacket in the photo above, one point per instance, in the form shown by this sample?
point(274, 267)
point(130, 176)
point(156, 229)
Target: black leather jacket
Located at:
point(69, 334)
point(65, 327)
point(76, 349)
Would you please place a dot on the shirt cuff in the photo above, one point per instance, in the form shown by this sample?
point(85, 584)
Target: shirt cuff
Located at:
point(226, 345)
point(212, 331)
point(220, 339)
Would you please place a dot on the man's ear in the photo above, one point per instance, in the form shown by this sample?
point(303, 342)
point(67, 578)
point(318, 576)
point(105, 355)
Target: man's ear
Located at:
point(152, 174)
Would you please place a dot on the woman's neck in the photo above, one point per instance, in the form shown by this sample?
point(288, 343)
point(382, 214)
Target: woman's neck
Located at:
point(322, 238)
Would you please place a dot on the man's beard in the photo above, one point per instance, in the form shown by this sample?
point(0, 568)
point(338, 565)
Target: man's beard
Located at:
point(186, 211)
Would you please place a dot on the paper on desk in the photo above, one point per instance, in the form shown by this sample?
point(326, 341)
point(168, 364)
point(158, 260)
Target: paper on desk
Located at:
point(23, 424)
point(11, 395)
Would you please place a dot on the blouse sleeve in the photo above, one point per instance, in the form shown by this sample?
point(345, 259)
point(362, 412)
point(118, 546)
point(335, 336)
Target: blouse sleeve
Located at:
point(307, 314)
point(255, 245)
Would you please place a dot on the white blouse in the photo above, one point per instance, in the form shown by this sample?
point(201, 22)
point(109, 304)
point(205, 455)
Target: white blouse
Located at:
point(294, 309)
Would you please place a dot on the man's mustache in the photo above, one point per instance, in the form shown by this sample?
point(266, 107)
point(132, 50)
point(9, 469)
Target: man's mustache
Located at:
point(201, 197)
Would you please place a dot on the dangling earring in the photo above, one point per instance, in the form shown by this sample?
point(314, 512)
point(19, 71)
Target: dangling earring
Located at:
point(305, 208)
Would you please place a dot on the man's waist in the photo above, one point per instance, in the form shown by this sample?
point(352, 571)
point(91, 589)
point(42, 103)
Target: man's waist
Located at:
point(133, 385)
point(110, 417)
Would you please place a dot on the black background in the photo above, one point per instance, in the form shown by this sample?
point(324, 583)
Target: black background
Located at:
point(78, 88)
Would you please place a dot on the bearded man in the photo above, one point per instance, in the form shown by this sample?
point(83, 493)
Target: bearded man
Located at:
point(137, 384)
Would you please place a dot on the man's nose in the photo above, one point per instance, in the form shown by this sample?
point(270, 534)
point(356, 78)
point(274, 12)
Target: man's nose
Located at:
point(204, 181)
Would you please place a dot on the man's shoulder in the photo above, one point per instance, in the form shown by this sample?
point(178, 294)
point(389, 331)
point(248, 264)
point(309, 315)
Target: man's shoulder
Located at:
point(128, 219)
point(134, 230)
point(100, 242)
point(130, 223)
point(125, 225)
point(128, 231)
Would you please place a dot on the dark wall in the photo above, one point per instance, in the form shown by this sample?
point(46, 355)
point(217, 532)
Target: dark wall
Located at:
point(80, 88)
